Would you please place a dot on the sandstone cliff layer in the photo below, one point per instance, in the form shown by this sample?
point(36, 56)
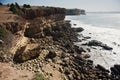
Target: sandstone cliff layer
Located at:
point(47, 12)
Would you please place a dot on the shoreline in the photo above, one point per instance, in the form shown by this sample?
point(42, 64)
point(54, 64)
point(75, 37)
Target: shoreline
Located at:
point(49, 49)
point(106, 58)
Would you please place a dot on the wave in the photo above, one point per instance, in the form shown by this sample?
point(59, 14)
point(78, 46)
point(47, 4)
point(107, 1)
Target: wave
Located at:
point(109, 36)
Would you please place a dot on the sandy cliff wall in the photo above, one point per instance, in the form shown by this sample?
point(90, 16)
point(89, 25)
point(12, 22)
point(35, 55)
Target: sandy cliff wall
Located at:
point(47, 12)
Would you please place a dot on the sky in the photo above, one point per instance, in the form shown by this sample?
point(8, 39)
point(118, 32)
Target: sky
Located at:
point(88, 5)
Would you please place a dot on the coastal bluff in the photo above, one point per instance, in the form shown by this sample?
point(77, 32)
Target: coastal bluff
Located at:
point(47, 12)
point(75, 12)
point(38, 44)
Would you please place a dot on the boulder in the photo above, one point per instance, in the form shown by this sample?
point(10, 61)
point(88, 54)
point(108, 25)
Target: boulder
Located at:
point(86, 55)
point(80, 29)
point(22, 56)
point(94, 43)
point(98, 43)
point(101, 68)
point(115, 70)
point(79, 49)
point(51, 54)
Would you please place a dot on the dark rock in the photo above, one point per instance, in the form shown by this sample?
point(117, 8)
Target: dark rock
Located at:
point(87, 37)
point(86, 56)
point(114, 52)
point(90, 62)
point(74, 24)
point(106, 47)
point(51, 54)
point(101, 68)
point(88, 50)
point(94, 43)
point(79, 49)
point(98, 43)
point(69, 47)
point(80, 29)
point(115, 70)
point(66, 71)
point(90, 33)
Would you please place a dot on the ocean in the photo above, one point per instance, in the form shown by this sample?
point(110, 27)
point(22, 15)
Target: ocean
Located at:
point(104, 27)
point(107, 20)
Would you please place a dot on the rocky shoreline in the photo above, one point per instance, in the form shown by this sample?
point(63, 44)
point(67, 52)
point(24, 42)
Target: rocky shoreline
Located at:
point(49, 49)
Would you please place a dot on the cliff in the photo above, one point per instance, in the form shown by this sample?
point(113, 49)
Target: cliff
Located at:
point(42, 42)
point(75, 12)
point(47, 12)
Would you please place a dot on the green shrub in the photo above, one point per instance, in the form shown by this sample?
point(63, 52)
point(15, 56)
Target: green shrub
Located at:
point(26, 6)
point(8, 5)
point(15, 8)
point(1, 3)
point(2, 32)
point(38, 76)
point(17, 5)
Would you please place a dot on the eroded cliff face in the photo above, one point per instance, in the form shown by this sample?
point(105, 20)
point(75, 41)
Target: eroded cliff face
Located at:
point(30, 24)
point(46, 12)
point(13, 27)
point(44, 43)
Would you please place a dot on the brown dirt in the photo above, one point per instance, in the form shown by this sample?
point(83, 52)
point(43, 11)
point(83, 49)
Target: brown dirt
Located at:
point(8, 16)
point(9, 73)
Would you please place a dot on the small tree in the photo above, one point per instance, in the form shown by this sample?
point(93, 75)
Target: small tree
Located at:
point(8, 5)
point(1, 3)
point(17, 5)
point(13, 8)
point(26, 6)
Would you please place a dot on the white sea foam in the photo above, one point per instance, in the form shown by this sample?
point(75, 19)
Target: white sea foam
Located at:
point(109, 36)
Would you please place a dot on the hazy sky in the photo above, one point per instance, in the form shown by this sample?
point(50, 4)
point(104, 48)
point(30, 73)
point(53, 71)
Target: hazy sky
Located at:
point(88, 5)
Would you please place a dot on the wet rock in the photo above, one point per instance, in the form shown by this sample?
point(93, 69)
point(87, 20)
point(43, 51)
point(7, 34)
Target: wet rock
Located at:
point(88, 49)
point(87, 37)
point(98, 43)
point(80, 29)
point(74, 24)
point(78, 49)
point(89, 62)
point(106, 47)
point(94, 43)
point(101, 68)
point(86, 55)
point(115, 70)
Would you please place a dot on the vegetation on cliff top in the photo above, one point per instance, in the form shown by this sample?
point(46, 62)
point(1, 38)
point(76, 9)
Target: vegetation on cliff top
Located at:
point(15, 8)
point(39, 76)
point(2, 32)
point(1, 3)
point(26, 6)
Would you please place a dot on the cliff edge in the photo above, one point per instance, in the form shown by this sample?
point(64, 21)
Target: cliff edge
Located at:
point(41, 42)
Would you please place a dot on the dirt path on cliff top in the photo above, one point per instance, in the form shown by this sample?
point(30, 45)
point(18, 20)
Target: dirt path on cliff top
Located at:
point(8, 16)
point(9, 73)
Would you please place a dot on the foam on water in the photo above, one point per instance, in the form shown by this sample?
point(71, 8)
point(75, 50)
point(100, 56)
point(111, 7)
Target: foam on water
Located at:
point(109, 36)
